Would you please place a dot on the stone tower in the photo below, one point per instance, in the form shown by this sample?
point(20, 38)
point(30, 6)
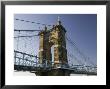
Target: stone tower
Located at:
point(54, 37)
point(44, 48)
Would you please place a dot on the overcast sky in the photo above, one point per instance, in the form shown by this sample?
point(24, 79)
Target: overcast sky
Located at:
point(81, 28)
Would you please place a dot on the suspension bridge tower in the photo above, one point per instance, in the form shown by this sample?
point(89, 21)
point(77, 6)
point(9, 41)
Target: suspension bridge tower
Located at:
point(58, 41)
point(53, 38)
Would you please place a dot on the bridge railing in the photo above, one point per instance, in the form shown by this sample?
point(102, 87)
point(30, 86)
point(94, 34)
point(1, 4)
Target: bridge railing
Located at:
point(84, 68)
point(24, 59)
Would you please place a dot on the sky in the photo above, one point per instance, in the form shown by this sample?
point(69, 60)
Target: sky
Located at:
point(81, 28)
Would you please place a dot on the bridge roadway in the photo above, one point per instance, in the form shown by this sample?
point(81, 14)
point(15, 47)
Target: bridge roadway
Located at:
point(35, 69)
point(27, 62)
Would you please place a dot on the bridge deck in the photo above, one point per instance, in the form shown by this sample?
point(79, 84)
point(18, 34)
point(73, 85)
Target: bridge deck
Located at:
point(36, 69)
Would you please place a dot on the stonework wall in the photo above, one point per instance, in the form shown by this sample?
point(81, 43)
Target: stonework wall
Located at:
point(56, 37)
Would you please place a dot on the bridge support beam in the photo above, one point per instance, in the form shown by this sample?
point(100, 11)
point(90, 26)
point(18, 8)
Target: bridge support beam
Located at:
point(53, 72)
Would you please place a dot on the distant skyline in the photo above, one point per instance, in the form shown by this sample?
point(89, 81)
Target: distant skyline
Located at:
point(81, 28)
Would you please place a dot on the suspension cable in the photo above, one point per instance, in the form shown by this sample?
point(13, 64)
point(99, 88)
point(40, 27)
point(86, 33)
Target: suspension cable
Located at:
point(26, 36)
point(77, 49)
point(27, 21)
point(27, 30)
